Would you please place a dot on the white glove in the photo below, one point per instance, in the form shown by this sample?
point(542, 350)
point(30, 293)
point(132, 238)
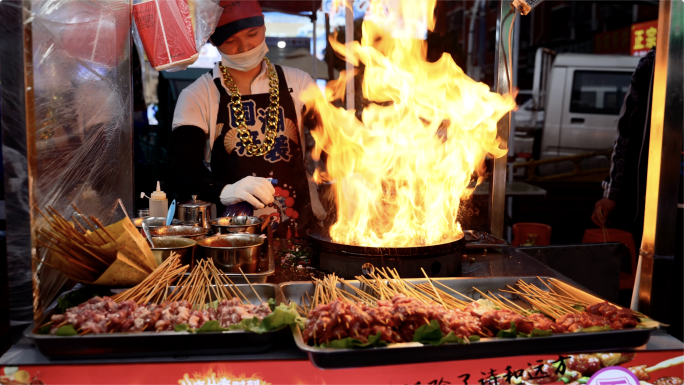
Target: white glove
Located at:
point(256, 191)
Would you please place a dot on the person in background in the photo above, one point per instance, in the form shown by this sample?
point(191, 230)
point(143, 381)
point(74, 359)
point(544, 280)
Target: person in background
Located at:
point(624, 194)
point(238, 132)
point(624, 189)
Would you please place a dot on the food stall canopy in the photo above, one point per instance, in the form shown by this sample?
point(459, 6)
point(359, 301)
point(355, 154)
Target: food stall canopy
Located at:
point(291, 7)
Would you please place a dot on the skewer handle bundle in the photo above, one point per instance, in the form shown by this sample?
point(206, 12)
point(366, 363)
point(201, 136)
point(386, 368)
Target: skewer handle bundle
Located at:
point(88, 252)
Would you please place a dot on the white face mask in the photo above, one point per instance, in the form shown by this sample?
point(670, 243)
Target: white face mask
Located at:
point(247, 60)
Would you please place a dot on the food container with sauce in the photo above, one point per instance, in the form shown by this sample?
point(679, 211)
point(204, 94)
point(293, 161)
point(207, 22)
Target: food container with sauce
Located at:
point(152, 222)
point(241, 224)
point(194, 212)
point(232, 252)
point(192, 232)
point(164, 246)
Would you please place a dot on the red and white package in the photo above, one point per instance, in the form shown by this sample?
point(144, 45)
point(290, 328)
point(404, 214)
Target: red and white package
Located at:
point(166, 32)
point(94, 32)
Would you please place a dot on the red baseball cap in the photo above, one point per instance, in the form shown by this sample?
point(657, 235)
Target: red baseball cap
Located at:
point(236, 16)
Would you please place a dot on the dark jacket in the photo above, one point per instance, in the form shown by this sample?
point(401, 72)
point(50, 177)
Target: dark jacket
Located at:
point(626, 183)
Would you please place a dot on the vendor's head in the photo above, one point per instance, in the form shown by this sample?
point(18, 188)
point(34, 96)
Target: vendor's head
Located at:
point(240, 35)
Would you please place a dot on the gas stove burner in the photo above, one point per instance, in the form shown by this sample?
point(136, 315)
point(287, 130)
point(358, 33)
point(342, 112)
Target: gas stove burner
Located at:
point(326, 242)
point(347, 261)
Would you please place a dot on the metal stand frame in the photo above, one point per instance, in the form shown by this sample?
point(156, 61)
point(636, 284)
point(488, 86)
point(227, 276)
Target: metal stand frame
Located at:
point(497, 190)
point(664, 162)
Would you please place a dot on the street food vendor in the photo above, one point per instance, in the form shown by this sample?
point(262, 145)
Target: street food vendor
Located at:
point(237, 130)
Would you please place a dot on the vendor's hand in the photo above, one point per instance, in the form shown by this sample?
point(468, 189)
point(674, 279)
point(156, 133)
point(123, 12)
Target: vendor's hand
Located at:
point(605, 205)
point(256, 191)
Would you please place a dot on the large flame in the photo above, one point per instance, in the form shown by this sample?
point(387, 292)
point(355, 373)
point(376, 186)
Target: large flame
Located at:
point(399, 175)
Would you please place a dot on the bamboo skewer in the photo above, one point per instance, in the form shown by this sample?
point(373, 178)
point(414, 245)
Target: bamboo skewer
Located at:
point(250, 285)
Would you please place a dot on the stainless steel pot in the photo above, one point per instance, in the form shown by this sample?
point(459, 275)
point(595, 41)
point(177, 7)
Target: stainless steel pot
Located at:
point(232, 252)
point(152, 222)
point(164, 246)
point(192, 232)
point(194, 212)
point(241, 224)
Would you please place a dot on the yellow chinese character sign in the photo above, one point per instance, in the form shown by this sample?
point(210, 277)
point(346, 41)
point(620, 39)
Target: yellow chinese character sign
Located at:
point(643, 37)
point(220, 378)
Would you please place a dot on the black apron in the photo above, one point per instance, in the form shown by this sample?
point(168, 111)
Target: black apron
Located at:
point(284, 163)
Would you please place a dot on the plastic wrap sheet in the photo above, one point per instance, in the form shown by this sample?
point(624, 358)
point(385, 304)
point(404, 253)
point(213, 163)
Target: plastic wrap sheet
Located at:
point(171, 33)
point(80, 141)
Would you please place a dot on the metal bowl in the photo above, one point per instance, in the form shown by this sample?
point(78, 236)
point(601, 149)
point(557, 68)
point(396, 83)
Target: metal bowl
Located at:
point(164, 246)
point(193, 232)
point(232, 252)
point(241, 224)
point(152, 222)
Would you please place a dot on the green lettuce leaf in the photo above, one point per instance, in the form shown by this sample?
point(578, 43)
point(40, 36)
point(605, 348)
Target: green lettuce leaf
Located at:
point(594, 329)
point(66, 331)
point(281, 317)
point(510, 333)
point(647, 323)
point(579, 307)
point(351, 343)
point(181, 328)
point(428, 333)
point(536, 333)
point(211, 327)
point(488, 303)
point(272, 303)
point(432, 334)
point(45, 329)
point(214, 304)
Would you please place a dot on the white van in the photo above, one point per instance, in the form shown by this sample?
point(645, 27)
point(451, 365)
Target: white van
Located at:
point(582, 98)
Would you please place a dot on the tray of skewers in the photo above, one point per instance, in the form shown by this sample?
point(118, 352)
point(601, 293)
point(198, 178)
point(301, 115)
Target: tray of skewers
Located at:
point(383, 319)
point(170, 313)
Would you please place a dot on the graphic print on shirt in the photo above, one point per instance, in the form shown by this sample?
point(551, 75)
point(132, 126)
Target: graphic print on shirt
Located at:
point(289, 178)
point(285, 132)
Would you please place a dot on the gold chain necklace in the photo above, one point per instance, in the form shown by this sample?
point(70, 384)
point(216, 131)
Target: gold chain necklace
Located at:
point(272, 121)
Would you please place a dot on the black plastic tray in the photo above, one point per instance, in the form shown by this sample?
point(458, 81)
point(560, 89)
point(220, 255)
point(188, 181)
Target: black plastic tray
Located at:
point(168, 343)
point(485, 348)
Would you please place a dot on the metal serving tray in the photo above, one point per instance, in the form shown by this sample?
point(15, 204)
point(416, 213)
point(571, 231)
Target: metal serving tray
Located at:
point(485, 348)
point(167, 343)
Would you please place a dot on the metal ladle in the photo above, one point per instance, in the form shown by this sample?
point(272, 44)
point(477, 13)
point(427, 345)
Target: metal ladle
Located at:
point(146, 230)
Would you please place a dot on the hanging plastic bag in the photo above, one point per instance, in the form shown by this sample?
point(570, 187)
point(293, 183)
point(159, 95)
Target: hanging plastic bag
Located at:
point(172, 32)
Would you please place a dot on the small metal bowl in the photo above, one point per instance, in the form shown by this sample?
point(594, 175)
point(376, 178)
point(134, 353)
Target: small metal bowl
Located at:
point(152, 222)
point(164, 246)
point(232, 252)
point(241, 224)
point(193, 232)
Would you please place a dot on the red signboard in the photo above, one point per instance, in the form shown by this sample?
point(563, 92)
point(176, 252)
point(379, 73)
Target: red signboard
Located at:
point(612, 42)
point(470, 372)
point(643, 37)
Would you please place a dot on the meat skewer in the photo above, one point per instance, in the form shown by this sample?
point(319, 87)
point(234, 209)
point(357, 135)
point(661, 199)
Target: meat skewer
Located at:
point(396, 308)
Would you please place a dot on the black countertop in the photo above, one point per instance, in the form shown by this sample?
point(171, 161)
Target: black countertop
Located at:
point(505, 262)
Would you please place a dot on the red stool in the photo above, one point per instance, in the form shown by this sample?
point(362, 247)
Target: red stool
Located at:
point(615, 235)
point(522, 232)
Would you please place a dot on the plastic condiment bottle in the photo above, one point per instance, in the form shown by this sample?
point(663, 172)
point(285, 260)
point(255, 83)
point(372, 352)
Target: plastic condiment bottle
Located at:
point(159, 205)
